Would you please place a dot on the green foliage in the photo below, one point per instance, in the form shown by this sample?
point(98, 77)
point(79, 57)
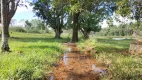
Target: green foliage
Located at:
point(90, 21)
point(36, 26)
point(52, 13)
point(130, 8)
point(121, 30)
point(123, 7)
point(28, 24)
point(17, 29)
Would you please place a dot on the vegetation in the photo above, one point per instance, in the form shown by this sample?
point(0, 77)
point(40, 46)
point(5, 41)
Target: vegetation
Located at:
point(123, 65)
point(32, 56)
point(121, 30)
point(51, 14)
point(79, 13)
point(17, 29)
point(35, 26)
point(34, 50)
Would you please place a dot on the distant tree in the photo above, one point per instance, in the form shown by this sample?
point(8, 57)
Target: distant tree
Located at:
point(8, 9)
point(121, 30)
point(37, 24)
point(27, 25)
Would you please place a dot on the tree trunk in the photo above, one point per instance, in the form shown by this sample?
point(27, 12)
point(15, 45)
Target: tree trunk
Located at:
point(5, 26)
point(85, 33)
point(75, 27)
point(58, 34)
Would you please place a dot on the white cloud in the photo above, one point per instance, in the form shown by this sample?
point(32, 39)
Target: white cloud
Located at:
point(104, 24)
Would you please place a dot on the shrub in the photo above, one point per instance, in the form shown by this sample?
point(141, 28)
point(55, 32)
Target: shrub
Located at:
point(17, 29)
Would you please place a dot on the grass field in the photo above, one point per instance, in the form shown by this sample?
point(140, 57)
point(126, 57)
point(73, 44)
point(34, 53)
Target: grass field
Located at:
point(33, 54)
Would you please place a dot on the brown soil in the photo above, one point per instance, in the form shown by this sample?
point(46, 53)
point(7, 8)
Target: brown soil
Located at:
point(77, 66)
point(136, 47)
point(137, 42)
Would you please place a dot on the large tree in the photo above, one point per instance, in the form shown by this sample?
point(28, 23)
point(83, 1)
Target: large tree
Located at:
point(8, 9)
point(90, 19)
point(52, 13)
point(93, 7)
point(76, 8)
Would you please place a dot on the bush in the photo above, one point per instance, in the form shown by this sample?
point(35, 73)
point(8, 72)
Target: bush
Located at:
point(17, 29)
point(31, 30)
point(34, 30)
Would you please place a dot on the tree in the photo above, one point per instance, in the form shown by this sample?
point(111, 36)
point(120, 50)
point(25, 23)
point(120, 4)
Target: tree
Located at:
point(130, 8)
point(51, 14)
point(78, 7)
point(89, 22)
point(8, 9)
point(37, 24)
point(54, 11)
point(27, 25)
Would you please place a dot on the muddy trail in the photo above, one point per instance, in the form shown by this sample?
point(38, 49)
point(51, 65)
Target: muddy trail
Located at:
point(77, 64)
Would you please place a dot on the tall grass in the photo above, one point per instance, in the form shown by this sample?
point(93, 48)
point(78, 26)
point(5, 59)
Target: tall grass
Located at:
point(32, 57)
point(122, 65)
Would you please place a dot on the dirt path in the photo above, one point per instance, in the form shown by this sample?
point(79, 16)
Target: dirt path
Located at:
point(77, 65)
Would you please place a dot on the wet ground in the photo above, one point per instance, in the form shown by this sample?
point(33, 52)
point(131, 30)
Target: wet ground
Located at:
point(77, 64)
point(122, 38)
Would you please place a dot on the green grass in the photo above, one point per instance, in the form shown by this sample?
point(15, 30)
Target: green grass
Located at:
point(123, 65)
point(33, 54)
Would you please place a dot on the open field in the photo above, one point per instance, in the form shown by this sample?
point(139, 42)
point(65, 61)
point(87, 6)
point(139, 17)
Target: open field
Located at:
point(33, 55)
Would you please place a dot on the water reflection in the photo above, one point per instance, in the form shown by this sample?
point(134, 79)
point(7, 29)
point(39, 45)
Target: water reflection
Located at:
point(77, 65)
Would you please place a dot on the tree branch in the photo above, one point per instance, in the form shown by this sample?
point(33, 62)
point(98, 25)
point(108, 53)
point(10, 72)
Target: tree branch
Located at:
point(13, 9)
point(17, 5)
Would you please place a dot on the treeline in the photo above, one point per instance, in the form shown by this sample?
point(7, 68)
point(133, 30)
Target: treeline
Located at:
point(121, 30)
point(78, 15)
point(33, 26)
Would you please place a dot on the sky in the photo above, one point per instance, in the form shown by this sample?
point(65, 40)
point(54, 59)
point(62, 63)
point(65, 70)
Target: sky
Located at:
point(25, 13)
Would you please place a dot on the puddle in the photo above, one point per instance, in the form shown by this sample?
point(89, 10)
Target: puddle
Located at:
point(77, 65)
point(121, 38)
